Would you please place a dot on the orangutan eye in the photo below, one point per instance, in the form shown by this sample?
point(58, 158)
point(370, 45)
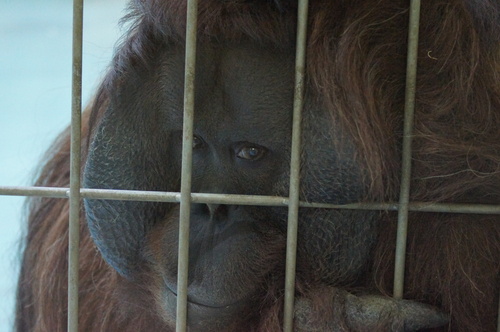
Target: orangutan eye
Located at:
point(197, 142)
point(251, 152)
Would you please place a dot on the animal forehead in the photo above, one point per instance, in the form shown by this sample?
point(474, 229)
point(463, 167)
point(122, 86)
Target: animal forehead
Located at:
point(241, 84)
point(245, 87)
point(255, 65)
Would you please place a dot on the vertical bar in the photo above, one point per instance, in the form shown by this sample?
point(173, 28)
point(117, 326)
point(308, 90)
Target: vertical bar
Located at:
point(293, 207)
point(74, 197)
point(404, 198)
point(187, 157)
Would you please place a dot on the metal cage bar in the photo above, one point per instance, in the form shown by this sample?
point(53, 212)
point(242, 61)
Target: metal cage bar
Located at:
point(293, 203)
point(74, 193)
point(404, 198)
point(258, 200)
point(187, 163)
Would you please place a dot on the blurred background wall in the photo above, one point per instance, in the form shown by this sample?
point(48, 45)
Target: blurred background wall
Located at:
point(35, 101)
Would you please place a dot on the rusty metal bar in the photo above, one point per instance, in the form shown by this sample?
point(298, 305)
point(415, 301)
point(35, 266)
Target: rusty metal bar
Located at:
point(74, 192)
point(187, 163)
point(293, 207)
point(404, 198)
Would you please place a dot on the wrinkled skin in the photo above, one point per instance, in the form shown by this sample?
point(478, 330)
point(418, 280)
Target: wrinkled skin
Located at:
point(242, 138)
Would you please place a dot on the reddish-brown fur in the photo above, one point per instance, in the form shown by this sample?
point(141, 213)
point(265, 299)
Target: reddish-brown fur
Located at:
point(356, 67)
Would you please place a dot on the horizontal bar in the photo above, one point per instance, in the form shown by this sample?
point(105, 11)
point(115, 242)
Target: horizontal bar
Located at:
point(174, 197)
point(54, 192)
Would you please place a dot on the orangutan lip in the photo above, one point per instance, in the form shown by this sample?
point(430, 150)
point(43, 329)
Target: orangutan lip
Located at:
point(224, 306)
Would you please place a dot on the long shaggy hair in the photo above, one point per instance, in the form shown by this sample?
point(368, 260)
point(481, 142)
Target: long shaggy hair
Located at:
point(356, 60)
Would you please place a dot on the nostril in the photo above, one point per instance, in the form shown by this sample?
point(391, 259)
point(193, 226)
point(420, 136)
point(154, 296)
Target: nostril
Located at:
point(217, 210)
point(212, 210)
point(200, 209)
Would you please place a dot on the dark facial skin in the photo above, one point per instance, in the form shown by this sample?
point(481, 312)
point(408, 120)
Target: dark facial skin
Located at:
point(242, 138)
point(241, 146)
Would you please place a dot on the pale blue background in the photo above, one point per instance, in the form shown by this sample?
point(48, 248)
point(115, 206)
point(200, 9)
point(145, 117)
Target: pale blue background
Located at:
point(35, 100)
